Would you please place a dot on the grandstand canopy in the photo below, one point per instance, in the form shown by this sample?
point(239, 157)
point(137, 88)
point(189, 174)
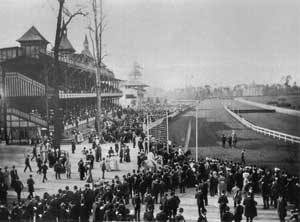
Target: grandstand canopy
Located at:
point(135, 83)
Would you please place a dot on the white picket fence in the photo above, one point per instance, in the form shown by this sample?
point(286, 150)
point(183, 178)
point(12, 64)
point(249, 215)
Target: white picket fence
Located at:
point(265, 131)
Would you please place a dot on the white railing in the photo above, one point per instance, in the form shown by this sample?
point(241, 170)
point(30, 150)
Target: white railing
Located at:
point(266, 106)
point(63, 95)
point(20, 85)
point(265, 131)
point(70, 126)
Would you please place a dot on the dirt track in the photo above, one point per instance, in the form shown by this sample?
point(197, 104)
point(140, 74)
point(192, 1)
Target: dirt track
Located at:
point(213, 120)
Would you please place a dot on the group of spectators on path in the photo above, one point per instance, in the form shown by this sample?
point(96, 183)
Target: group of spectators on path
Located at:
point(107, 201)
point(114, 200)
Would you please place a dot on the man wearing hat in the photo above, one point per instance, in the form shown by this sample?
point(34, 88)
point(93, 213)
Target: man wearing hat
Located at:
point(30, 183)
point(18, 188)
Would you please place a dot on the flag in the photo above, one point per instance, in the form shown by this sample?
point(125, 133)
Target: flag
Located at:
point(188, 136)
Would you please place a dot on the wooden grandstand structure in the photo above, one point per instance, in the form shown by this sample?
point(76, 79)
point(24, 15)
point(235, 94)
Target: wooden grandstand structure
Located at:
point(27, 84)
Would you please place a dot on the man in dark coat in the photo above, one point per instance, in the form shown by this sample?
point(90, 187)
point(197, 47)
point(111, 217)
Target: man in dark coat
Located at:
point(103, 167)
point(179, 217)
point(250, 207)
point(200, 201)
point(238, 212)
point(89, 197)
point(173, 204)
point(27, 164)
point(44, 169)
point(140, 145)
point(223, 140)
point(30, 183)
point(266, 192)
point(281, 208)
point(3, 192)
point(73, 146)
point(155, 188)
point(14, 176)
point(98, 154)
point(223, 201)
point(4, 213)
point(34, 153)
point(57, 170)
point(148, 215)
point(39, 163)
point(136, 201)
point(18, 188)
point(161, 216)
point(81, 169)
point(227, 216)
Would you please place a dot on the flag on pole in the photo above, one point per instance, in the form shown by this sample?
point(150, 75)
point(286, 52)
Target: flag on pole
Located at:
point(188, 136)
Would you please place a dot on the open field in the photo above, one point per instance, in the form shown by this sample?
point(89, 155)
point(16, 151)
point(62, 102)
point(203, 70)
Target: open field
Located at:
point(213, 121)
point(293, 100)
point(276, 121)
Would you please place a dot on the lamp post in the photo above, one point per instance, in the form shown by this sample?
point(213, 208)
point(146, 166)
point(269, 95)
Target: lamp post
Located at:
point(167, 131)
point(196, 131)
point(148, 136)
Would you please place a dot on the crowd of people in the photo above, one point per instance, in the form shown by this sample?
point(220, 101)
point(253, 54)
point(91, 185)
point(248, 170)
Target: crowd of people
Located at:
point(153, 187)
point(231, 140)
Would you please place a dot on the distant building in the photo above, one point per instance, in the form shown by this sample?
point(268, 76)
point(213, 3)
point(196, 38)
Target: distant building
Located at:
point(248, 90)
point(133, 89)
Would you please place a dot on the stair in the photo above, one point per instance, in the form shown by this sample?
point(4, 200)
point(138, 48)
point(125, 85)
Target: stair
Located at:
point(27, 117)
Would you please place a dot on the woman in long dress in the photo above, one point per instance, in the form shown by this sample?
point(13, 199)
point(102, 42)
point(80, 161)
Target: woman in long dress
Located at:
point(89, 174)
point(107, 164)
point(68, 167)
point(6, 177)
point(221, 183)
point(114, 163)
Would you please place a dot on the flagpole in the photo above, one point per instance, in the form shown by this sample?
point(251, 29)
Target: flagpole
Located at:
point(197, 131)
point(167, 132)
point(148, 137)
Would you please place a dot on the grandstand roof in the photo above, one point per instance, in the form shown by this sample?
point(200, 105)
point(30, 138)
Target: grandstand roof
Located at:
point(65, 45)
point(32, 35)
point(135, 83)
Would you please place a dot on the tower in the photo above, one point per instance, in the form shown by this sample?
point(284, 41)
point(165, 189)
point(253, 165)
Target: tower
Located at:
point(86, 50)
point(32, 42)
point(65, 46)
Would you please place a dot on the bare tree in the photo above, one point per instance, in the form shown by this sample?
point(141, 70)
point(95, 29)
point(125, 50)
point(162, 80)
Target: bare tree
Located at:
point(286, 80)
point(96, 29)
point(64, 18)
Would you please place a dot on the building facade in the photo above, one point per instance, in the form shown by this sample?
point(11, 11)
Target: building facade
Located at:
point(133, 89)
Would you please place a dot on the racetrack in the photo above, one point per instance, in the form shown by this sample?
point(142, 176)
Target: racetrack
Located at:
point(213, 120)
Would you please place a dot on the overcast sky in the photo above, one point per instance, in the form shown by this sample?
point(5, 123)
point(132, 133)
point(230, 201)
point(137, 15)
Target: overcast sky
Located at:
point(180, 42)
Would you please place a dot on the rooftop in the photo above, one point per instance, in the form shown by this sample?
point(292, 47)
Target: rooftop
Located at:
point(32, 35)
point(65, 45)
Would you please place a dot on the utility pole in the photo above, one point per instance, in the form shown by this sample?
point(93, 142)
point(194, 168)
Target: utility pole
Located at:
point(148, 133)
point(197, 131)
point(96, 35)
point(4, 105)
point(167, 131)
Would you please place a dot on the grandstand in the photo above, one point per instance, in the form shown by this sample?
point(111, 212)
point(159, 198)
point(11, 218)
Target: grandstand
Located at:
point(28, 85)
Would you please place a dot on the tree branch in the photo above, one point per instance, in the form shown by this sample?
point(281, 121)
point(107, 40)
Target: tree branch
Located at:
point(71, 16)
point(93, 44)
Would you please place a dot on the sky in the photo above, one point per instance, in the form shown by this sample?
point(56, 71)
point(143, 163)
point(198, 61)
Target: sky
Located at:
point(179, 43)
